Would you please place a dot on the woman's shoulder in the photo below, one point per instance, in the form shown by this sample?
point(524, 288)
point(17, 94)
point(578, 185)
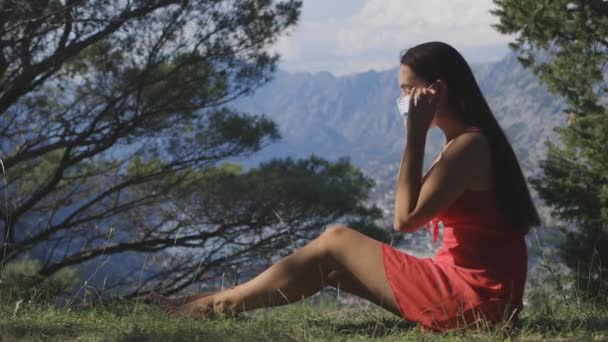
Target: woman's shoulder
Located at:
point(470, 146)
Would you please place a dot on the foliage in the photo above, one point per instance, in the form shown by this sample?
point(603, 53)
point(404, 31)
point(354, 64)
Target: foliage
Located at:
point(564, 43)
point(242, 219)
point(114, 123)
point(20, 280)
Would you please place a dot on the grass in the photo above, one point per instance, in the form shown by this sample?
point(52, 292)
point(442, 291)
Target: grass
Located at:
point(302, 321)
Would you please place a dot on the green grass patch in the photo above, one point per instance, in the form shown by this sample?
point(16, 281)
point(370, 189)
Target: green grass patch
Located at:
point(302, 321)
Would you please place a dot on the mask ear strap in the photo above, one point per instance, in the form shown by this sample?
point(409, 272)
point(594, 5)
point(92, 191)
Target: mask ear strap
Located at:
point(433, 86)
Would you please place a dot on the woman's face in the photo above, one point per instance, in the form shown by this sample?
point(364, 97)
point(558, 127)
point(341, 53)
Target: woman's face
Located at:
point(408, 80)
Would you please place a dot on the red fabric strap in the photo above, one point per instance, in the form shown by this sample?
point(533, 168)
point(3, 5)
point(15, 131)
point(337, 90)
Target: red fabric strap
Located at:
point(433, 227)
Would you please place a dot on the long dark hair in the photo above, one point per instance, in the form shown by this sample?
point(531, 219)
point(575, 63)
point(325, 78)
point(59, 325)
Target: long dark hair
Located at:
point(437, 60)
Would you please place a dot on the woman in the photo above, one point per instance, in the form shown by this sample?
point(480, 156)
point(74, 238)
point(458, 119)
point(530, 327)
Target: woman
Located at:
point(475, 187)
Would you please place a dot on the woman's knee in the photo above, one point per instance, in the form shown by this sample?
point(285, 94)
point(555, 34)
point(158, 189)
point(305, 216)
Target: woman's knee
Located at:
point(332, 237)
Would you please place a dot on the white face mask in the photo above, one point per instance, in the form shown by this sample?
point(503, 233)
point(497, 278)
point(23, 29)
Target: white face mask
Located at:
point(403, 105)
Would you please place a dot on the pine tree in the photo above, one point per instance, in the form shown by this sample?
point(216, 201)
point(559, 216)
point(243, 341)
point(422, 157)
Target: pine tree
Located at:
point(565, 43)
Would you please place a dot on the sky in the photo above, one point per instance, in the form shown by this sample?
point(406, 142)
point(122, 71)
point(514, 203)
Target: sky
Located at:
point(351, 36)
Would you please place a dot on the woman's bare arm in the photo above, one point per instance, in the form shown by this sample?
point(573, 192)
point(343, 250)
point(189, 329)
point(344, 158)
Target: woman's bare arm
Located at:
point(464, 161)
point(409, 178)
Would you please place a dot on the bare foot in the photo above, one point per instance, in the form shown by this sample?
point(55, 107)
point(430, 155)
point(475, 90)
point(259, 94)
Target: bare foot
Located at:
point(198, 309)
point(155, 298)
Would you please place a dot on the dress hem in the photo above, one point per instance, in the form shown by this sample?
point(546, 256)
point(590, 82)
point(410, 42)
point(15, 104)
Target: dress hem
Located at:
point(436, 325)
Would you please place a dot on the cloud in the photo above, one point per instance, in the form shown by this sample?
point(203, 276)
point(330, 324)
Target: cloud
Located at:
point(355, 36)
point(391, 25)
point(308, 38)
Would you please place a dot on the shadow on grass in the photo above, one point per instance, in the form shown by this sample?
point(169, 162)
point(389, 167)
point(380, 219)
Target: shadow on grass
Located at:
point(23, 330)
point(565, 325)
point(379, 327)
point(52, 331)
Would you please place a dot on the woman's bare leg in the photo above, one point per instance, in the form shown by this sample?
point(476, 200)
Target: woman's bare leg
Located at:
point(340, 255)
point(337, 279)
point(348, 283)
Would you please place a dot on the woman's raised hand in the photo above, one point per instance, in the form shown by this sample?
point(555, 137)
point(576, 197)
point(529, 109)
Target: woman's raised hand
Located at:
point(423, 107)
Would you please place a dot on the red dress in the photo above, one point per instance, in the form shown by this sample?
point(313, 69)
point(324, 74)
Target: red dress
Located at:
point(478, 275)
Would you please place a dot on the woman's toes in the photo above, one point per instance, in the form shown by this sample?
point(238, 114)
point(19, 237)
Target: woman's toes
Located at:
point(168, 308)
point(163, 300)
